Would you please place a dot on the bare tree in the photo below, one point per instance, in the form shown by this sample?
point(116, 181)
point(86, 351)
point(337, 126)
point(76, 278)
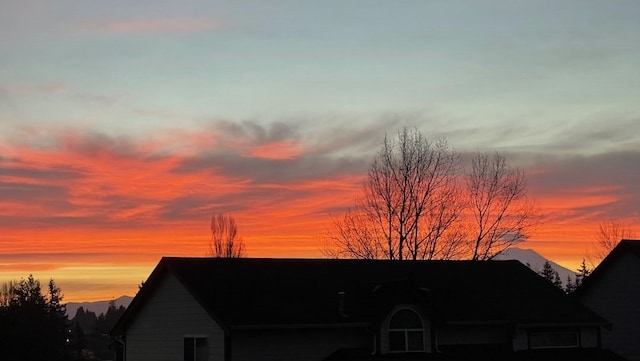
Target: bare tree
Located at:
point(502, 213)
point(7, 292)
point(609, 234)
point(225, 241)
point(409, 203)
point(353, 236)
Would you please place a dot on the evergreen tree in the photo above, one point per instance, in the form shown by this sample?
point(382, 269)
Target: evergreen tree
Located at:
point(57, 317)
point(551, 275)
point(86, 320)
point(78, 341)
point(582, 274)
point(570, 286)
point(92, 332)
point(556, 279)
point(32, 326)
point(547, 271)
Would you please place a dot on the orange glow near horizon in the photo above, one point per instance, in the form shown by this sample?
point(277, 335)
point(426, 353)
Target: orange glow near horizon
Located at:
point(98, 218)
point(97, 264)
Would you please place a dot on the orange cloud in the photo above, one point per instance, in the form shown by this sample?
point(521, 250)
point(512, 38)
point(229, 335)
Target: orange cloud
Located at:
point(285, 149)
point(99, 211)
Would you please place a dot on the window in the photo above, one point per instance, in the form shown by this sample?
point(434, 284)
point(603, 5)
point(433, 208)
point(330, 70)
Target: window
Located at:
point(195, 349)
point(406, 333)
point(556, 339)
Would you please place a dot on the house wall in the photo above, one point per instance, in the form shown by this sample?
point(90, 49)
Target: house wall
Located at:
point(588, 338)
point(473, 335)
point(615, 295)
point(520, 339)
point(171, 313)
point(296, 345)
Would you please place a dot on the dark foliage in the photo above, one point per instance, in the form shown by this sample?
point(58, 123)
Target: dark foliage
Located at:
point(33, 326)
point(551, 275)
point(91, 333)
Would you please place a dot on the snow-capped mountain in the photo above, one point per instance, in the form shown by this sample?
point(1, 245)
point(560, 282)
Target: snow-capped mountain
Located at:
point(535, 261)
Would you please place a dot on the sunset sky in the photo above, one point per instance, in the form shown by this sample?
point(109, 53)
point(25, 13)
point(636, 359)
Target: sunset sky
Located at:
point(125, 125)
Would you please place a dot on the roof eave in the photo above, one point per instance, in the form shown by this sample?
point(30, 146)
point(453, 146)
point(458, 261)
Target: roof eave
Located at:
point(299, 326)
point(561, 324)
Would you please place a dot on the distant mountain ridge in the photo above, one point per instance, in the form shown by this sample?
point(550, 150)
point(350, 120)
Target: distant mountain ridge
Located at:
point(535, 261)
point(528, 257)
point(97, 307)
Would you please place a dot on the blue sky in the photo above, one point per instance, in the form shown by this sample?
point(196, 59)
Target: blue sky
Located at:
point(537, 69)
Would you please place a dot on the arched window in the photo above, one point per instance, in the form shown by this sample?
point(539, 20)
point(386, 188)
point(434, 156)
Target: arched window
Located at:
point(406, 332)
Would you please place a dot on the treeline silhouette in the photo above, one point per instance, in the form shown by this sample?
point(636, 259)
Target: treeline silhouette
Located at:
point(571, 285)
point(34, 325)
point(90, 332)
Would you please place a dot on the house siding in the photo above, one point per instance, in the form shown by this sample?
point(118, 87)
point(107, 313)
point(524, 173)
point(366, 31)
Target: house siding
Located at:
point(615, 295)
point(520, 339)
point(297, 344)
point(170, 314)
point(473, 335)
point(588, 338)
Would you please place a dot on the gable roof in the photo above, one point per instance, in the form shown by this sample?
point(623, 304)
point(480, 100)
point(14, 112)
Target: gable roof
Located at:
point(259, 292)
point(625, 246)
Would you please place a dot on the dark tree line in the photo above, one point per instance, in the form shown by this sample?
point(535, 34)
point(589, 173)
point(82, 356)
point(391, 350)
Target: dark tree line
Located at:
point(91, 332)
point(33, 326)
point(571, 285)
point(551, 274)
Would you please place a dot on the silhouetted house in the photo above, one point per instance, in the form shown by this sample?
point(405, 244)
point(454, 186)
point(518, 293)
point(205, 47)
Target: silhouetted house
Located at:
point(613, 290)
point(322, 309)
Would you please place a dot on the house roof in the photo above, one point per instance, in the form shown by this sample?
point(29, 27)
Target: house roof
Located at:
point(261, 292)
point(625, 246)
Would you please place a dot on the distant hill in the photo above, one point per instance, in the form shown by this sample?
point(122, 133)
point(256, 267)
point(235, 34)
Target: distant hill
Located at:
point(98, 306)
point(536, 262)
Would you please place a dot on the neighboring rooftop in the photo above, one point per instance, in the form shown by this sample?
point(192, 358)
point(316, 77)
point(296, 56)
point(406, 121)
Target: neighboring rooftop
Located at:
point(625, 246)
point(243, 292)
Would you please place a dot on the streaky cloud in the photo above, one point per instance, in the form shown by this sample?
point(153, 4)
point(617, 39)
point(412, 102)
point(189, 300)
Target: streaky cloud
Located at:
point(611, 177)
point(150, 26)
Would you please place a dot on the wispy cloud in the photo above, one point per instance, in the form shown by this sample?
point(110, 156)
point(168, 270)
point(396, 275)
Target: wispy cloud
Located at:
point(276, 150)
point(93, 177)
point(599, 187)
point(100, 180)
point(31, 88)
point(155, 26)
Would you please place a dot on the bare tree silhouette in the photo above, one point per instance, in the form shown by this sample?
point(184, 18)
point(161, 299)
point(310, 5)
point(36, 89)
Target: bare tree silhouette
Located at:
point(503, 215)
point(608, 235)
point(409, 204)
point(225, 241)
point(415, 205)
